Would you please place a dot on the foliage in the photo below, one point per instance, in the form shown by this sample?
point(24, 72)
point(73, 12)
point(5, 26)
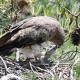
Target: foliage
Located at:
point(5, 13)
point(77, 71)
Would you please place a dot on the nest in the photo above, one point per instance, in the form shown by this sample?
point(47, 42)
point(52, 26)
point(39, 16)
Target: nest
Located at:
point(22, 66)
point(9, 67)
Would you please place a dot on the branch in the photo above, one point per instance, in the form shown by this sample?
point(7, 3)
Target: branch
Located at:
point(76, 15)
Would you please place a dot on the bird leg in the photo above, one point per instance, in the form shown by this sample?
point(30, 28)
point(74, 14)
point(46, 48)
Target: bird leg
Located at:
point(17, 55)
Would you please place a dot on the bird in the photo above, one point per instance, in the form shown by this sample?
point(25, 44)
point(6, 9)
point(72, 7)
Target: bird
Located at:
point(29, 36)
point(37, 52)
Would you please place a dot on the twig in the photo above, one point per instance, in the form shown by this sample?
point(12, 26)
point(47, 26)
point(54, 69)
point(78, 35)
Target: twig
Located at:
point(63, 55)
point(47, 71)
point(58, 62)
point(31, 67)
point(76, 15)
point(39, 74)
point(6, 69)
point(69, 11)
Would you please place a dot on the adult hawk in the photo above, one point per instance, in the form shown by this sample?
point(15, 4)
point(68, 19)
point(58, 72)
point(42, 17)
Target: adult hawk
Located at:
point(29, 35)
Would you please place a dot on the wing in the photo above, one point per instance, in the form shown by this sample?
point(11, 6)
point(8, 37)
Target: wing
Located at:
point(36, 30)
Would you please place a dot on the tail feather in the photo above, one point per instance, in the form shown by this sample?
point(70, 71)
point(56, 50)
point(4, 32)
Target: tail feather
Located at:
point(4, 38)
point(7, 36)
point(5, 44)
point(5, 49)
